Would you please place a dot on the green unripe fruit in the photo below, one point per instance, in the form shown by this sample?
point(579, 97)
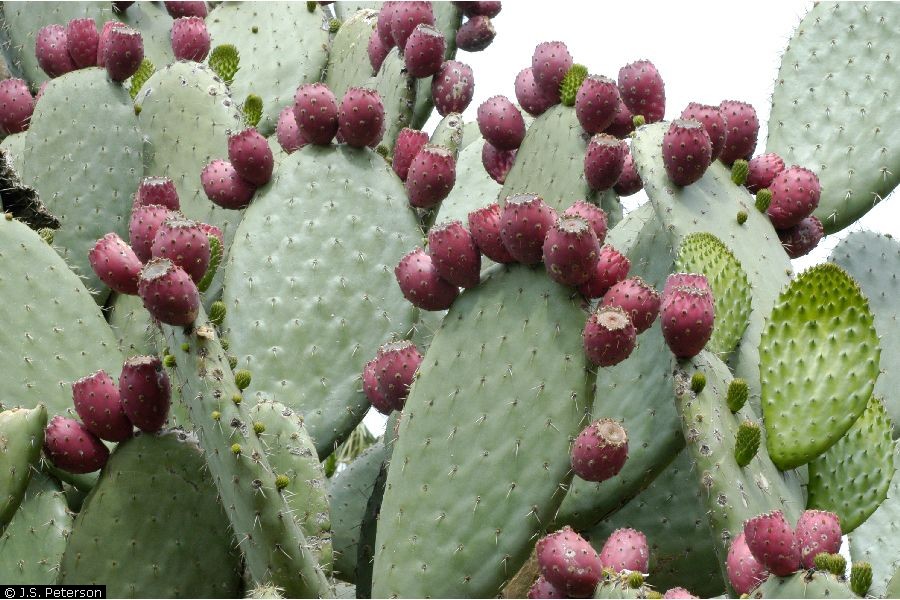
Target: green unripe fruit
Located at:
point(822, 561)
point(739, 171)
point(46, 234)
point(763, 198)
point(225, 344)
point(634, 580)
point(232, 361)
point(334, 25)
point(242, 379)
point(217, 314)
point(738, 391)
point(747, 443)
point(236, 449)
point(225, 61)
point(169, 360)
point(860, 578)
point(185, 347)
point(282, 482)
point(216, 415)
point(571, 81)
point(311, 6)
point(698, 382)
point(638, 121)
point(259, 428)
point(741, 217)
point(253, 110)
point(237, 398)
point(837, 565)
point(654, 595)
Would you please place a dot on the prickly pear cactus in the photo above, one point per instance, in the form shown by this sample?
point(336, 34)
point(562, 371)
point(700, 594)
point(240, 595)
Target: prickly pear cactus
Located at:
point(155, 25)
point(804, 584)
point(21, 439)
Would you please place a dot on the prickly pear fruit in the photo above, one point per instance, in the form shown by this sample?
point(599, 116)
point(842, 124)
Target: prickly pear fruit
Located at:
point(406, 16)
point(190, 39)
point(146, 393)
point(71, 447)
point(409, 143)
point(97, 402)
point(524, 222)
point(626, 549)
point(686, 151)
point(686, 279)
point(569, 562)
point(600, 451)
point(156, 190)
point(476, 34)
point(744, 571)
point(743, 130)
point(361, 117)
point(486, 8)
point(184, 243)
point(16, 105)
point(549, 64)
point(186, 8)
point(802, 238)
point(603, 161)
point(395, 370)
point(642, 90)
point(123, 53)
point(533, 99)
point(50, 47)
point(542, 588)
point(817, 531)
point(316, 112)
point(497, 163)
point(421, 284)
point(571, 251)
point(116, 264)
point(454, 254)
point(370, 389)
point(629, 182)
point(224, 187)
point(795, 195)
point(592, 214)
point(861, 578)
point(609, 336)
point(637, 298)
point(452, 87)
point(773, 543)
point(168, 292)
point(251, 156)
point(501, 123)
point(145, 222)
point(82, 42)
point(687, 317)
point(623, 122)
point(377, 51)
point(288, 134)
point(431, 176)
point(104, 40)
point(597, 103)
point(485, 225)
point(678, 592)
point(424, 51)
point(713, 122)
point(762, 170)
point(612, 267)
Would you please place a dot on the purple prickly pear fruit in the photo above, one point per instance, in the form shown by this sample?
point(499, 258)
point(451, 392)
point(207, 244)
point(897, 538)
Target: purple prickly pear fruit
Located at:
point(643, 90)
point(497, 162)
point(568, 562)
point(424, 51)
point(744, 571)
point(678, 592)
point(184, 243)
point(168, 292)
point(592, 214)
point(383, 25)
point(145, 392)
point(637, 298)
point(287, 133)
point(97, 402)
point(629, 182)
point(609, 336)
point(532, 98)
point(762, 170)
point(612, 267)
point(142, 228)
point(476, 34)
point(409, 143)
point(742, 130)
point(686, 280)
point(251, 156)
point(190, 39)
point(600, 451)
point(316, 112)
point(686, 151)
point(571, 251)
point(431, 176)
point(604, 161)
point(795, 195)
point(406, 16)
point(104, 40)
point(82, 42)
point(224, 187)
point(817, 531)
point(800, 239)
point(542, 588)
point(51, 49)
point(597, 103)
point(377, 51)
point(524, 223)
point(186, 8)
point(773, 543)
point(370, 389)
point(16, 105)
point(454, 254)
point(421, 284)
point(713, 122)
point(623, 122)
point(71, 447)
point(116, 264)
point(687, 315)
point(474, 9)
point(395, 370)
point(452, 87)
point(123, 53)
point(156, 190)
point(484, 224)
point(361, 117)
point(501, 123)
point(549, 64)
point(212, 231)
point(626, 549)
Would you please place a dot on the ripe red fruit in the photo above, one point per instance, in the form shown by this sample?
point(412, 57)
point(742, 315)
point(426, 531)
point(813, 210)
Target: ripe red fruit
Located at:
point(600, 451)
point(609, 336)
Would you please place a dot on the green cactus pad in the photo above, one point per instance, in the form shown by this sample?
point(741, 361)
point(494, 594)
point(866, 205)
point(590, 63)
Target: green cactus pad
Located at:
point(311, 279)
point(893, 586)
point(803, 584)
point(21, 440)
point(155, 25)
point(32, 544)
point(482, 456)
point(89, 187)
point(475, 188)
point(705, 253)
point(820, 361)
point(132, 325)
point(53, 332)
point(13, 147)
point(153, 526)
point(288, 48)
point(449, 133)
point(834, 103)
point(144, 72)
point(619, 586)
point(851, 479)
point(398, 95)
point(252, 110)
point(348, 61)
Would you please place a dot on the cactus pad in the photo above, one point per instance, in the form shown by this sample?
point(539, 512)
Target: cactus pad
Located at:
point(21, 440)
point(348, 61)
point(803, 584)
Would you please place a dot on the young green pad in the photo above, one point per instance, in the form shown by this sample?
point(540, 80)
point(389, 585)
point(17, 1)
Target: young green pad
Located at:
point(475, 188)
point(13, 147)
point(449, 133)
point(21, 440)
point(819, 364)
point(398, 96)
point(803, 584)
point(348, 61)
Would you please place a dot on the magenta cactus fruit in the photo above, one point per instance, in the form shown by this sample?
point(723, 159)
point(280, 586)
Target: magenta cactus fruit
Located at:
point(186, 8)
point(145, 392)
point(744, 571)
point(817, 531)
point(361, 117)
point(642, 90)
point(609, 336)
point(409, 143)
point(533, 99)
point(678, 592)
point(568, 562)
point(476, 34)
point(597, 103)
point(424, 51)
point(224, 187)
point(16, 105)
point(51, 49)
point(82, 42)
point(288, 134)
point(212, 231)
point(501, 123)
point(762, 170)
point(496, 162)
point(316, 112)
point(629, 182)
point(395, 369)
point(488, 8)
point(612, 267)
point(406, 16)
point(802, 238)
point(431, 176)
point(686, 152)
point(370, 389)
point(773, 543)
point(251, 156)
point(168, 292)
point(485, 225)
point(420, 283)
point(383, 25)
point(71, 447)
point(686, 280)
point(687, 315)
point(452, 87)
point(713, 122)
point(592, 214)
point(549, 64)
point(116, 264)
point(156, 190)
point(190, 39)
point(103, 44)
point(743, 130)
point(637, 298)
point(123, 53)
point(454, 254)
point(524, 222)
point(604, 161)
point(623, 122)
point(377, 51)
point(626, 549)
point(795, 195)
point(571, 251)
point(542, 588)
point(97, 402)
point(600, 451)
point(142, 228)
point(184, 243)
